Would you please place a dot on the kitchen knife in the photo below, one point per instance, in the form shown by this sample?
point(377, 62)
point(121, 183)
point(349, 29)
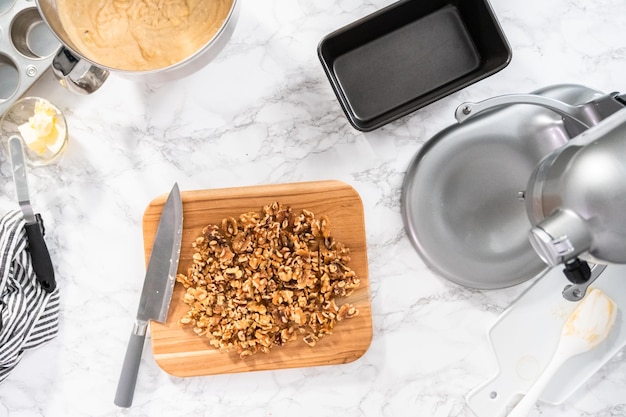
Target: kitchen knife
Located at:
point(40, 257)
point(157, 291)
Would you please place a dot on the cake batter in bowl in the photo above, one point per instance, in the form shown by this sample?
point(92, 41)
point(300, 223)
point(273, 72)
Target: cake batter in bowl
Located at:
point(156, 40)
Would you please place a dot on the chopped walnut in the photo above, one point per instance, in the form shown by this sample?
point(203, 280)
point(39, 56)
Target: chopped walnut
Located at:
point(265, 279)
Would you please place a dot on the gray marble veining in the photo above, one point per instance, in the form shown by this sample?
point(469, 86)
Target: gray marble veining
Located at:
point(263, 112)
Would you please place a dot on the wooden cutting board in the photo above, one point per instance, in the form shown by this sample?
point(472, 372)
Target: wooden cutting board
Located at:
point(180, 352)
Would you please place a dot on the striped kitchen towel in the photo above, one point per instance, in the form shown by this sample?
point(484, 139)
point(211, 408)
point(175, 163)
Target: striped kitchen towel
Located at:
point(28, 315)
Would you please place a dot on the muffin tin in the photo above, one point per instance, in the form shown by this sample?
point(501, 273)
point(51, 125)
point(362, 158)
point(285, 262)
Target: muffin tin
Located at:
point(27, 48)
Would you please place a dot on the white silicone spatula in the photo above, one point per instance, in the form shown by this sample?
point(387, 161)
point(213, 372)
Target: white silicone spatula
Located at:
point(587, 326)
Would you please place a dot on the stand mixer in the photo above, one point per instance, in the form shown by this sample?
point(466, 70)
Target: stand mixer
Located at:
point(523, 183)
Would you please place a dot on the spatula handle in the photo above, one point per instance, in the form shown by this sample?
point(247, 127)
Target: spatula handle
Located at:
point(128, 378)
point(530, 399)
point(42, 264)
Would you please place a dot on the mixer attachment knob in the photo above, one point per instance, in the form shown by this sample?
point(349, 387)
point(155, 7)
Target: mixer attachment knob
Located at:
point(577, 271)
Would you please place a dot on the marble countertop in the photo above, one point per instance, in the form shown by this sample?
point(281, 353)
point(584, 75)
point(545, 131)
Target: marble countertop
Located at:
point(263, 112)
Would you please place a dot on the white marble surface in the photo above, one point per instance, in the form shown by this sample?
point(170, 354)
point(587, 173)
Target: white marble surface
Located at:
point(263, 112)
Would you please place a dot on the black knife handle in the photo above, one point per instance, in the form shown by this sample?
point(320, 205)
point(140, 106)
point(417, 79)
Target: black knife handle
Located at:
point(42, 264)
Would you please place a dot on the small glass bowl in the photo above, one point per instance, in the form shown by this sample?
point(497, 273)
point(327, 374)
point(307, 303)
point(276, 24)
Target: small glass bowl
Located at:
point(19, 114)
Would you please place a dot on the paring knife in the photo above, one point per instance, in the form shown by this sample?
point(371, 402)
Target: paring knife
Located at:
point(42, 264)
point(157, 291)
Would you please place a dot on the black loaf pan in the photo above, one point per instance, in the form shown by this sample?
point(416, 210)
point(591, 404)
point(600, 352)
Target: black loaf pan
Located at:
point(410, 54)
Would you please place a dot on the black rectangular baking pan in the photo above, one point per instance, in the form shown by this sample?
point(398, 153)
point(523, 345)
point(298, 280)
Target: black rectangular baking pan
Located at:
point(409, 54)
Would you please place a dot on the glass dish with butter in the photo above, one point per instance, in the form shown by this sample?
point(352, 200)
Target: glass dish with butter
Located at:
point(42, 127)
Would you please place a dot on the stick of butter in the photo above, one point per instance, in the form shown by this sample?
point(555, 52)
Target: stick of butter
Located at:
point(43, 131)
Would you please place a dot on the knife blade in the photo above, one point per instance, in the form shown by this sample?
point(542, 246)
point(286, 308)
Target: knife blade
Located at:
point(156, 293)
point(40, 257)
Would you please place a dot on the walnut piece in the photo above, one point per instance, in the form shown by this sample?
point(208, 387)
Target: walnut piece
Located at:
point(265, 279)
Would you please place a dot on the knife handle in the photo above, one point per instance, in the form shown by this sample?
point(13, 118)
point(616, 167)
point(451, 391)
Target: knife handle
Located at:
point(128, 378)
point(42, 264)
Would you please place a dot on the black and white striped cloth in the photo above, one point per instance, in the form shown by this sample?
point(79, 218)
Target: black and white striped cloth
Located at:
point(29, 315)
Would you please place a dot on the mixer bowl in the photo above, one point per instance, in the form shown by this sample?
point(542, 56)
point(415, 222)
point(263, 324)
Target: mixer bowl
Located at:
point(462, 197)
point(84, 75)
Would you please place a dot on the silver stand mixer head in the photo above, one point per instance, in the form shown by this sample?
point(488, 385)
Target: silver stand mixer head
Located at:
point(576, 199)
point(573, 141)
